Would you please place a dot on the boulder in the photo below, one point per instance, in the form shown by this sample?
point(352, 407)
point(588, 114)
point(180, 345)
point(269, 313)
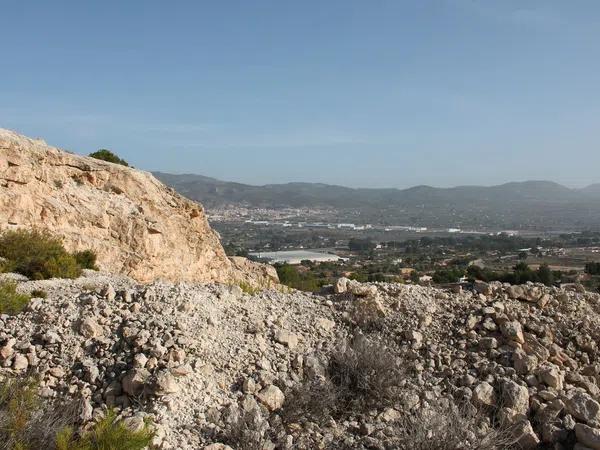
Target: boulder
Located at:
point(7, 350)
point(272, 397)
point(20, 362)
point(588, 436)
point(341, 285)
point(89, 328)
point(515, 397)
point(360, 289)
point(286, 338)
point(484, 395)
point(525, 437)
point(134, 381)
point(368, 310)
point(165, 383)
point(515, 292)
point(482, 287)
point(583, 407)
point(513, 331)
point(551, 375)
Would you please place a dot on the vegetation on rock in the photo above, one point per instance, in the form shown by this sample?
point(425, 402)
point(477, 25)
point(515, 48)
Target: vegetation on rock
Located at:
point(39, 255)
point(11, 302)
point(292, 277)
point(27, 422)
point(107, 155)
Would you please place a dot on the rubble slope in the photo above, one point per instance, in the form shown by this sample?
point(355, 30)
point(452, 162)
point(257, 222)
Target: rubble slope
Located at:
point(193, 358)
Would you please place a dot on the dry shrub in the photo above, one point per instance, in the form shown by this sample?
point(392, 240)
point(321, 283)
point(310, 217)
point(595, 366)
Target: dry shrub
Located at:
point(246, 430)
point(29, 423)
point(447, 426)
point(361, 374)
point(314, 401)
point(25, 421)
point(364, 373)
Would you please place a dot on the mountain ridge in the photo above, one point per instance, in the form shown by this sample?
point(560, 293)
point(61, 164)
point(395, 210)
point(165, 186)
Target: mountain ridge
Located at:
point(531, 203)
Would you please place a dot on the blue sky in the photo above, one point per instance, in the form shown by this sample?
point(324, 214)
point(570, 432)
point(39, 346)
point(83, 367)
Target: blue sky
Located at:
point(360, 93)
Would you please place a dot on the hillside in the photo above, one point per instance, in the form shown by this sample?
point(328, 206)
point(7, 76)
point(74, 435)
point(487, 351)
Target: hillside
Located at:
point(375, 366)
point(136, 225)
point(526, 204)
point(592, 190)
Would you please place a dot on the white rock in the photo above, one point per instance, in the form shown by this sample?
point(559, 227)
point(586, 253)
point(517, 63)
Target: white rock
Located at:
point(272, 397)
point(20, 362)
point(165, 383)
point(484, 394)
point(89, 328)
point(286, 338)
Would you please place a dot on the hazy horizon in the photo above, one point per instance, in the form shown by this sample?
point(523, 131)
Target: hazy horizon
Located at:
point(360, 94)
point(381, 187)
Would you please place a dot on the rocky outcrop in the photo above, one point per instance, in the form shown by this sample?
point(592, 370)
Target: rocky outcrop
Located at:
point(136, 225)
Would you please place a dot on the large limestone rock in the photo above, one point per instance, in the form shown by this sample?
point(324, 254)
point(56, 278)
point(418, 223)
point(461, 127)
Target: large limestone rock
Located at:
point(136, 225)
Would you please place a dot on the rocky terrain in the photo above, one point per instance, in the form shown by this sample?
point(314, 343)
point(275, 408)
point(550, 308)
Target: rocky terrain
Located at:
point(217, 368)
point(137, 226)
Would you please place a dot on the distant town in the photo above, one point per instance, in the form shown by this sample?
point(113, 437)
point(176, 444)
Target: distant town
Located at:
point(311, 247)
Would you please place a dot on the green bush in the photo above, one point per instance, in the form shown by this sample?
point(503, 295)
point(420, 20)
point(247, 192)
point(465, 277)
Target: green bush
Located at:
point(292, 277)
point(28, 423)
point(39, 255)
point(11, 302)
point(39, 293)
point(110, 433)
point(86, 259)
point(107, 155)
point(247, 288)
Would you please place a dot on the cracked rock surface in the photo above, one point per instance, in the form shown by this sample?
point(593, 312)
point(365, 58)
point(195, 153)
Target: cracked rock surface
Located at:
point(136, 225)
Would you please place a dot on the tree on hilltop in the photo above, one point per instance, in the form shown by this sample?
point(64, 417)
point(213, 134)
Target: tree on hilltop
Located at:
point(107, 155)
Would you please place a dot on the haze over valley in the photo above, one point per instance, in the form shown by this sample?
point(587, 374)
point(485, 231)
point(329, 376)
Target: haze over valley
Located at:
point(529, 205)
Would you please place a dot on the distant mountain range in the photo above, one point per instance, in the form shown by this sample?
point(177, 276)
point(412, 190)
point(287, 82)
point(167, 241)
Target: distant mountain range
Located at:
point(528, 204)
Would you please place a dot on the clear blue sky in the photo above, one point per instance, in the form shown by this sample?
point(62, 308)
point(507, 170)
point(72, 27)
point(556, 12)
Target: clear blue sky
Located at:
point(353, 92)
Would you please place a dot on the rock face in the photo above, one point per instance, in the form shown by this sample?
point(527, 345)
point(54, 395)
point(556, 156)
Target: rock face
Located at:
point(137, 226)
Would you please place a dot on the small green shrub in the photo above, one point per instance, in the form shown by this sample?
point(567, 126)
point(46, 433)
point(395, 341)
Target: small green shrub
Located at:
point(247, 288)
point(107, 155)
point(303, 281)
point(39, 255)
point(11, 302)
point(62, 266)
point(18, 402)
point(108, 434)
point(86, 259)
point(29, 423)
point(38, 293)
